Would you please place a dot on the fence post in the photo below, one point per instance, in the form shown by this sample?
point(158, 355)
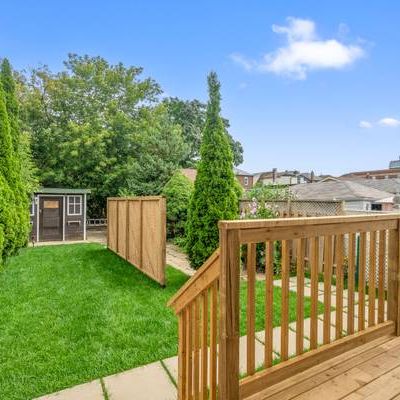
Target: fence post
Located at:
point(393, 278)
point(228, 359)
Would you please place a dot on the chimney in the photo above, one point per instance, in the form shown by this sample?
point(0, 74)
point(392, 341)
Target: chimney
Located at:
point(274, 175)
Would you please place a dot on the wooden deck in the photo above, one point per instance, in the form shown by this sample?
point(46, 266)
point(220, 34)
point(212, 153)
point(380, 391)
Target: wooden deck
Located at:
point(371, 371)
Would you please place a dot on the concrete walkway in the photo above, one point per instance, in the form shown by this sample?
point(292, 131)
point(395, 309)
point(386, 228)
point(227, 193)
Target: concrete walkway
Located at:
point(157, 381)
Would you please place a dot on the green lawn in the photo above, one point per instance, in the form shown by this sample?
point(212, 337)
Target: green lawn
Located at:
point(72, 313)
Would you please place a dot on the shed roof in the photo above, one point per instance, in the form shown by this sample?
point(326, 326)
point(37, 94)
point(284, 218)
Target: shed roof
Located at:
point(62, 191)
point(391, 185)
point(338, 190)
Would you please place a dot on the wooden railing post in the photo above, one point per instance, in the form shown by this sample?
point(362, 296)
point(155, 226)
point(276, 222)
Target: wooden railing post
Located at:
point(228, 359)
point(393, 278)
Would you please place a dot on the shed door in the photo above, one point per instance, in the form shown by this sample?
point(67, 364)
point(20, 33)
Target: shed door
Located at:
point(51, 218)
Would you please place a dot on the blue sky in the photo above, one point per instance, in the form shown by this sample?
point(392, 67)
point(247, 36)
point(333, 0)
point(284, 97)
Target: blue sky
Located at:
point(298, 77)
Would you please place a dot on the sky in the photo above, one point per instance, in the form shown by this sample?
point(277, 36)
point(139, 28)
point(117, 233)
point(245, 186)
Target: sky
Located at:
point(306, 85)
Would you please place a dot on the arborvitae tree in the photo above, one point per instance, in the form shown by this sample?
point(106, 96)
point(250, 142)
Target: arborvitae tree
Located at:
point(8, 213)
point(18, 156)
point(214, 197)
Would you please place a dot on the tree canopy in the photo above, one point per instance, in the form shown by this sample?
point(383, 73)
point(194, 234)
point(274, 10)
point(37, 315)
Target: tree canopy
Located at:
point(102, 126)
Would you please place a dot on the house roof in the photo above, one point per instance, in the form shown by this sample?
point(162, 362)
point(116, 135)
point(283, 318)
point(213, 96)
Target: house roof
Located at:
point(338, 190)
point(238, 171)
point(387, 185)
point(388, 171)
point(62, 191)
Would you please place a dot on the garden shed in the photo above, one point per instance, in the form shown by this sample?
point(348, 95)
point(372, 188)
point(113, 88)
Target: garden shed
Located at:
point(58, 214)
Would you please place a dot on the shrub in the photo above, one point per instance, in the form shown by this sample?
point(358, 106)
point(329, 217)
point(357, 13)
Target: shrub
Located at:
point(177, 191)
point(214, 197)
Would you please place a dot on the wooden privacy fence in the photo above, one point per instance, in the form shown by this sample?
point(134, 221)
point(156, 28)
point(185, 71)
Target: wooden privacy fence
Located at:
point(136, 231)
point(208, 305)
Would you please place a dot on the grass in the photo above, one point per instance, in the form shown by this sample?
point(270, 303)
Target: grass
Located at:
point(73, 313)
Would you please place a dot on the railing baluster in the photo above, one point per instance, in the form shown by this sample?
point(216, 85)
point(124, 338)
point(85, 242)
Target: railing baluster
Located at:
point(182, 363)
point(213, 341)
point(196, 358)
point(361, 281)
point(204, 345)
point(314, 293)
point(339, 240)
point(251, 307)
point(382, 275)
point(351, 283)
point(327, 287)
point(285, 301)
point(371, 278)
point(393, 278)
point(189, 351)
point(269, 301)
point(301, 244)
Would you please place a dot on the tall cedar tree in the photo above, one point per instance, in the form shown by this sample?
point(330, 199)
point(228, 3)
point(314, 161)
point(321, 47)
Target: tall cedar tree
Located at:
point(214, 197)
point(8, 212)
point(16, 182)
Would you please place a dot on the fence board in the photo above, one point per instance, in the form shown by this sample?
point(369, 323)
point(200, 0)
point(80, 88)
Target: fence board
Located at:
point(136, 232)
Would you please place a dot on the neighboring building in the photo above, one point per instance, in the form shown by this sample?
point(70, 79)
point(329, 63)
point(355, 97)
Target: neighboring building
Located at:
point(276, 177)
point(58, 214)
point(394, 164)
point(244, 178)
point(374, 174)
point(354, 195)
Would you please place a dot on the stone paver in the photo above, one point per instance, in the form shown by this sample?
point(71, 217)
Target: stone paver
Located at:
point(87, 391)
point(150, 382)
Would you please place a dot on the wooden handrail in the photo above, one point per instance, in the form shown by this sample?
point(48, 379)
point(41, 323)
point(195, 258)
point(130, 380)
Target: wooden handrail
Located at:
point(200, 281)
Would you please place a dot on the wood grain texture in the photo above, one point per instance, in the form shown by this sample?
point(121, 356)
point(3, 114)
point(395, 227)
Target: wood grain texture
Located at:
point(251, 308)
point(269, 302)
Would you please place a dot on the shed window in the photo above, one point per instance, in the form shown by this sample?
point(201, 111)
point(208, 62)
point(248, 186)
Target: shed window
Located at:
point(74, 205)
point(32, 209)
point(246, 181)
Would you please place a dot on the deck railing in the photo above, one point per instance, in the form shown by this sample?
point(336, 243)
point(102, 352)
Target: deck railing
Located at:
point(365, 301)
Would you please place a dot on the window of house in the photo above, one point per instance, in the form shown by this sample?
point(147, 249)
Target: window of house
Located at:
point(376, 207)
point(246, 180)
point(74, 205)
point(32, 208)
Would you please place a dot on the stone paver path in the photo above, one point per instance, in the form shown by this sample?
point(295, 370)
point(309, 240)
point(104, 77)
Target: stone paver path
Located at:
point(157, 381)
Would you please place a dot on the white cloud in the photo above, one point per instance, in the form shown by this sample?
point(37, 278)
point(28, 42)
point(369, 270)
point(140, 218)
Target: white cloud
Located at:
point(389, 122)
point(365, 125)
point(304, 52)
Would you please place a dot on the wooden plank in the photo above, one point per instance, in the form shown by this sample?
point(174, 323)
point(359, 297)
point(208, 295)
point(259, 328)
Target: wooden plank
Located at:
point(301, 247)
point(314, 376)
point(182, 363)
point(213, 340)
point(361, 281)
point(277, 373)
point(196, 358)
point(351, 283)
point(189, 352)
point(251, 308)
point(339, 247)
point(256, 235)
point(201, 280)
point(314, 293)
point(279, 222)
point(327, 287)
point(228, 384)
point(204, 346)
point(285, 271)
point(393, 278)
point(269, 302)
point(382, 275)
point(371, 278)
